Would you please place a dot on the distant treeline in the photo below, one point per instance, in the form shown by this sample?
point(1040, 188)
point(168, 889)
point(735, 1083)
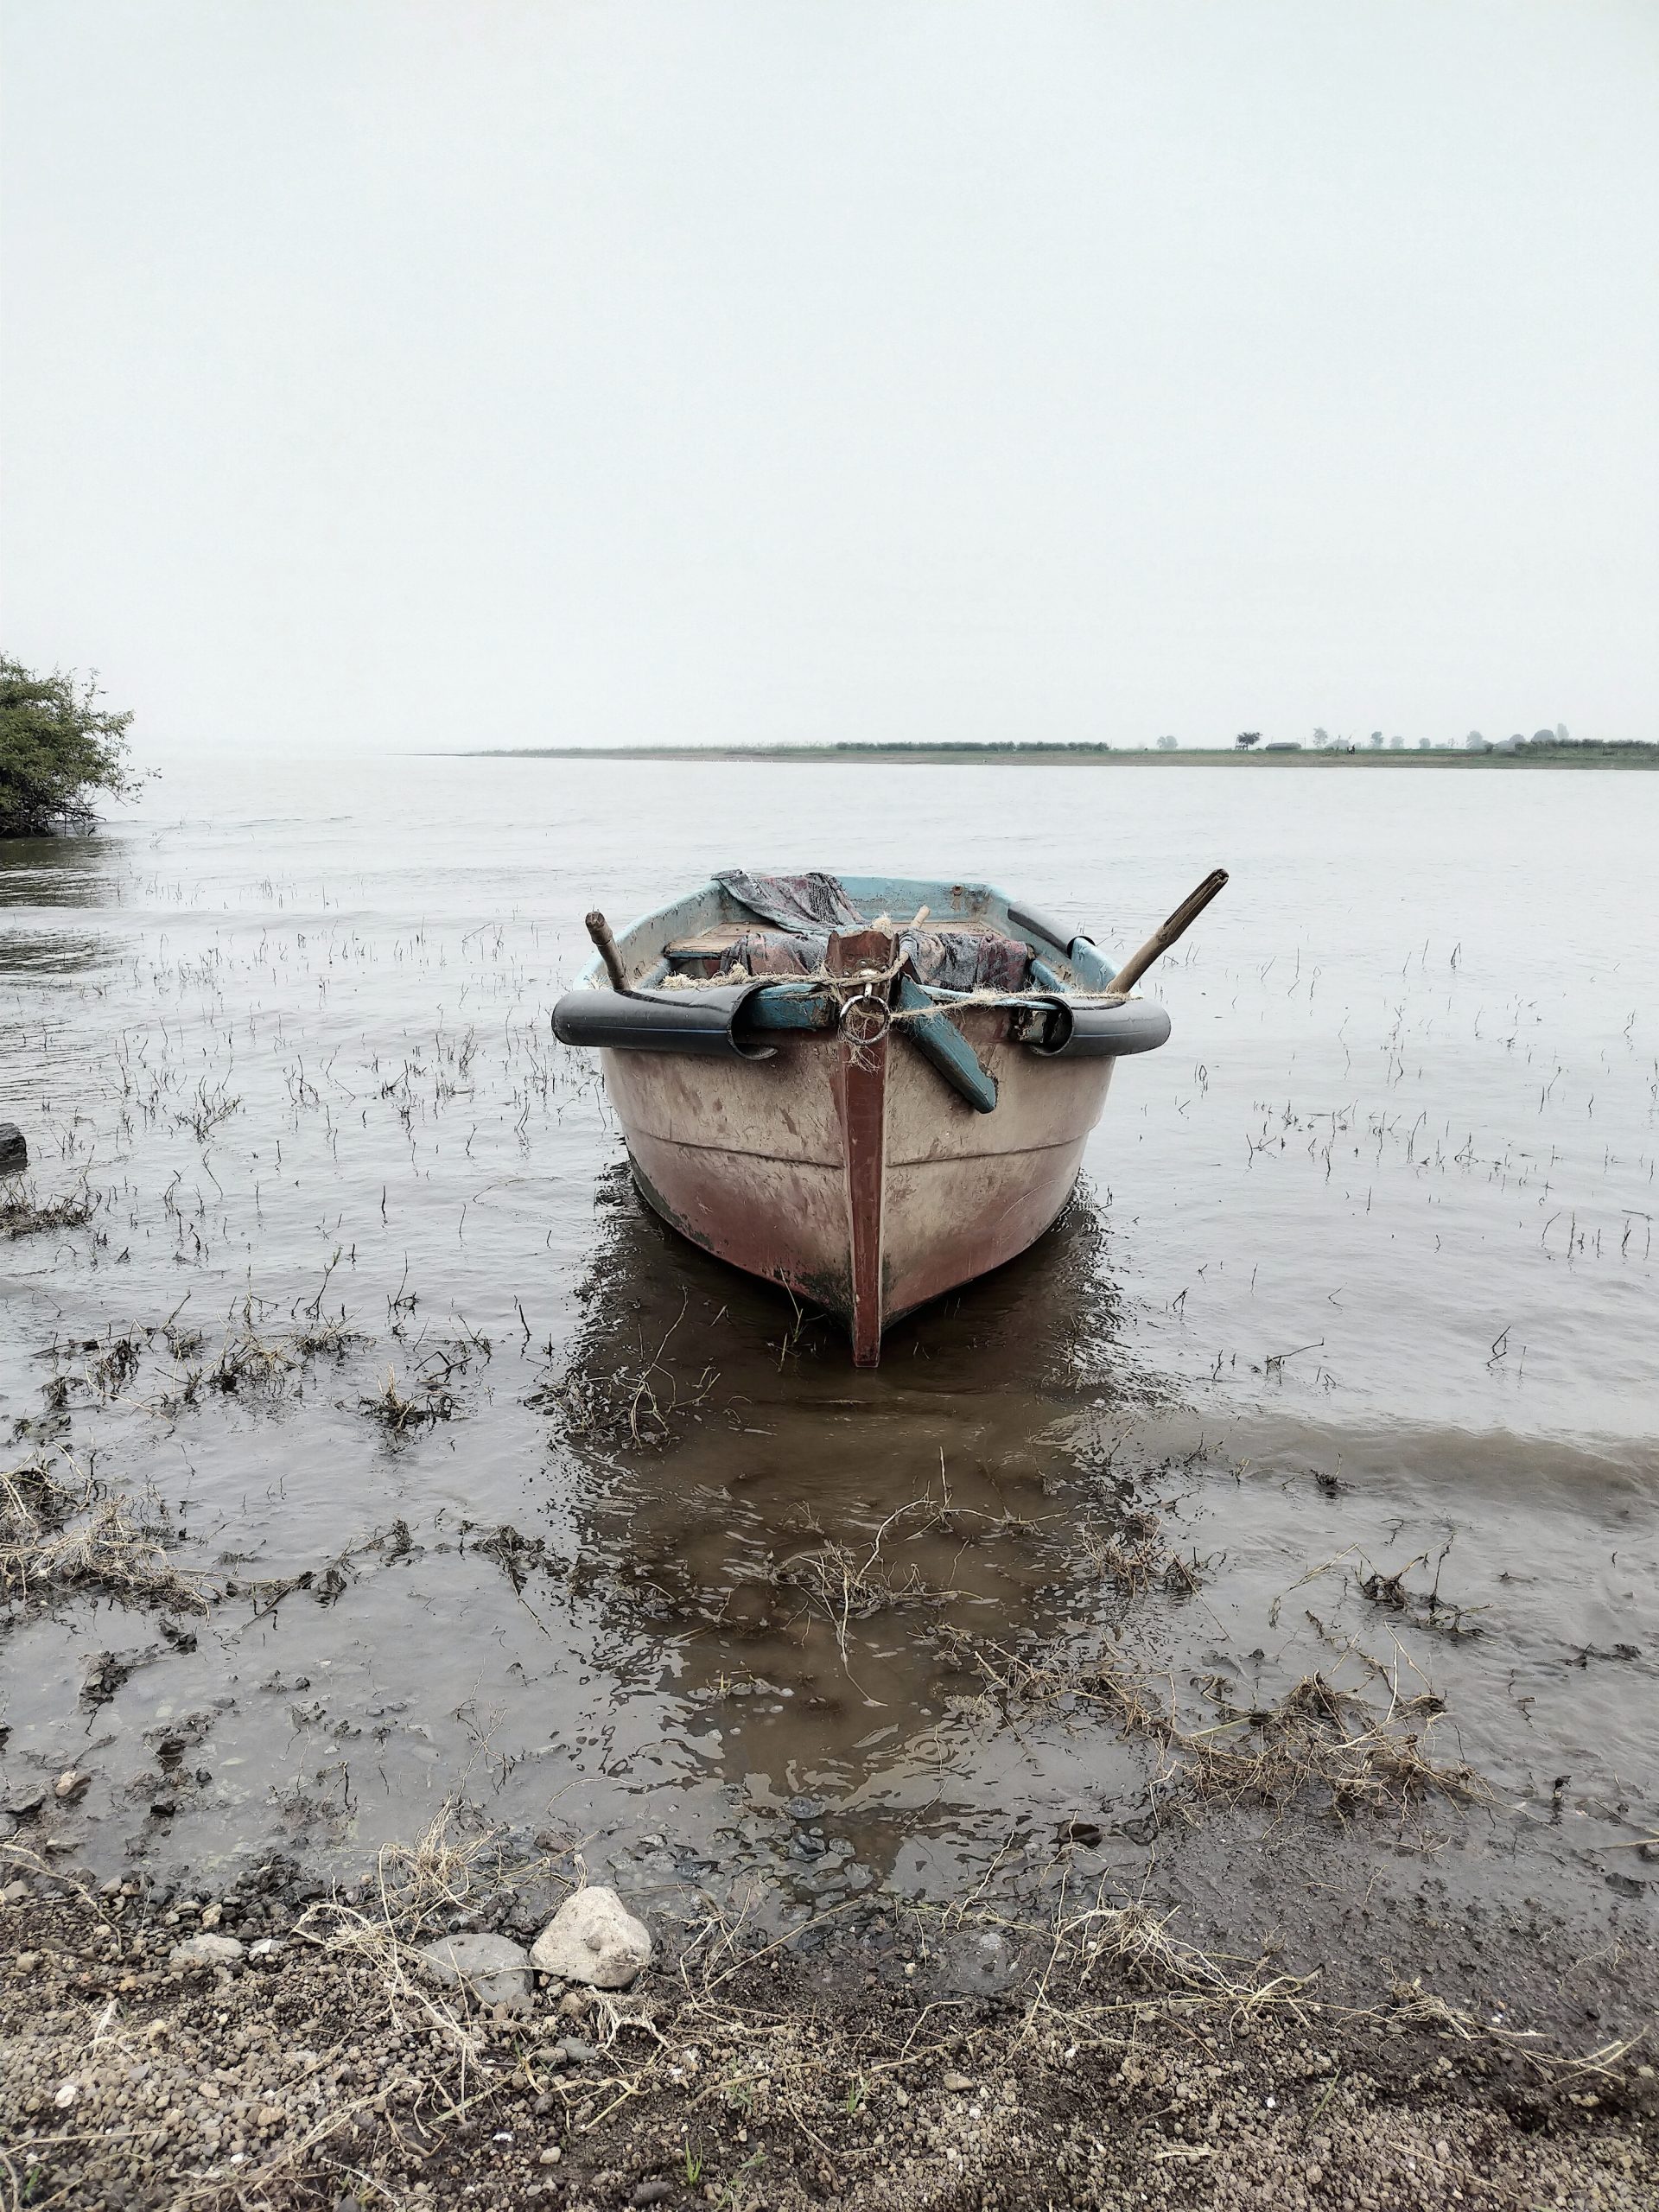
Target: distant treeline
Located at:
point(1539, 747)
point(1474, 751)
point(1551, 746)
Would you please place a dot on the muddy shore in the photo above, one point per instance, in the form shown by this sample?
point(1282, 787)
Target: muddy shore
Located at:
point(1043, 2050)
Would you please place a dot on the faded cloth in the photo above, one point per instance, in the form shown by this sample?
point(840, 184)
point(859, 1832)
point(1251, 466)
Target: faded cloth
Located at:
point(773, 952)
point(793, 902)
point(808, 908)
point(967, 960)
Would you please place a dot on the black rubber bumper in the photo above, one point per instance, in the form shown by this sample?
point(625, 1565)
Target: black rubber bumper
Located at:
point(709, 1022)
point(1035, 925)
point(1102, 1032)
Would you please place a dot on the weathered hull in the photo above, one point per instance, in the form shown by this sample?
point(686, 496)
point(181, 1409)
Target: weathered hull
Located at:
point(853, 1174)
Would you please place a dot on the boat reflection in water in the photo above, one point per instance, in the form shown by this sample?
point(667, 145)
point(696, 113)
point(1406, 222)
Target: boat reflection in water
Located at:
point(793, 1548)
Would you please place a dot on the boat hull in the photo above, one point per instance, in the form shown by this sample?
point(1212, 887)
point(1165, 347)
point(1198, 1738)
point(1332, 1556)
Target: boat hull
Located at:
point(854, 1175)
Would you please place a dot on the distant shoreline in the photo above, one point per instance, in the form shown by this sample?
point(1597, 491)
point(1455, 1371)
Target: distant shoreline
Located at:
point(1051, 756)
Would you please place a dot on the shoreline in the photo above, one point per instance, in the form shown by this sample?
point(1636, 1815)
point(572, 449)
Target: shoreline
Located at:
point(983, 2052)
point(1038, 756)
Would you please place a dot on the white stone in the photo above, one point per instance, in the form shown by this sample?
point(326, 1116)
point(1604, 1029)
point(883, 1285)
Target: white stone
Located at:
point(206, 1951)
point(593, 1937)
point(493, 1968)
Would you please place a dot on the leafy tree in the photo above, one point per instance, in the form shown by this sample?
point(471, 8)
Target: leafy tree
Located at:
point(56, 748)
point(1168, 744)
point(1376, 740)
point(1246, 739)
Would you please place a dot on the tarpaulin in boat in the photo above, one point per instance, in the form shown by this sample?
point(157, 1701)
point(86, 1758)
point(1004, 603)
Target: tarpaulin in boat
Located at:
point(967, 960)
point(793, 902)
point(808, 908)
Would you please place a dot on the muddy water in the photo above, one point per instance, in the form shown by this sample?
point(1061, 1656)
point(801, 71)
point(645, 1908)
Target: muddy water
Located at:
point(1355, 1319)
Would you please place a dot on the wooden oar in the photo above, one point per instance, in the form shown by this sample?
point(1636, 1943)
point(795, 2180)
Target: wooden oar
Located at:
point(1161, 938)
point(600, 930)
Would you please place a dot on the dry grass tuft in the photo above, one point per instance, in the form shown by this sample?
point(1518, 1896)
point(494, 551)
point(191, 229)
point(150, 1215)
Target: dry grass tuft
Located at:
point(1319, 1738)
point(1134, 1556)
point(428, 1400)
point(848, 1583)
point(58, 1536)
point(22, 1214)
point(248, 1361)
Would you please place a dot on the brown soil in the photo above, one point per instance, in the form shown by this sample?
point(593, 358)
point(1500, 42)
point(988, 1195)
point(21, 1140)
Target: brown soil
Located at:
point(947, 2059)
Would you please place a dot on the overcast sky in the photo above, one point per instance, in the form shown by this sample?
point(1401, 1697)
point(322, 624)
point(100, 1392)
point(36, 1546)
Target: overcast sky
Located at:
point(504, 371)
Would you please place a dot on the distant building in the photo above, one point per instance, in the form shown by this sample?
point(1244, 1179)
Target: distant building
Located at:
point(1285, 745)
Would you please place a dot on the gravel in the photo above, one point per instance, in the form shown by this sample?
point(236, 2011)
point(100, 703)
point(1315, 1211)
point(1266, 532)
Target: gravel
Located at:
point(312, 2075)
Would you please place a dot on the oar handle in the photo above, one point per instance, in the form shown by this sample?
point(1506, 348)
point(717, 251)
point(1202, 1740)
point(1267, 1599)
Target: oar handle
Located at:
point(600, 930)
point(1162, 937)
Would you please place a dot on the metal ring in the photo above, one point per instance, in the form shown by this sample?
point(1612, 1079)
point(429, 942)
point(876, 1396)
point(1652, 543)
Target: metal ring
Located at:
point(869, 1026)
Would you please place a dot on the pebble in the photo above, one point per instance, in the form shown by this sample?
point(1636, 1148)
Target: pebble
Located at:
point(15, 1892)
point(977, 1964)
point(956, 2081)
point(593, 1938)
point(67, 1782)
point(494, 1968)
point(206, 1951)
point(551, 2156)
point(213, 1914)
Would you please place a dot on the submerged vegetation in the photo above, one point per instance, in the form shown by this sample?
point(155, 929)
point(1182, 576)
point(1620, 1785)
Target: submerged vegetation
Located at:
point(23, 1214)
point(57, 748)
point(61, 1530)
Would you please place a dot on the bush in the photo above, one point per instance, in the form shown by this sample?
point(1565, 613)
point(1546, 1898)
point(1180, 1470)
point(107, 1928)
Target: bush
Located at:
point(56, 749)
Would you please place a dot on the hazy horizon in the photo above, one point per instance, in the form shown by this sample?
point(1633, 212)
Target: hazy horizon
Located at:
point(418, 377)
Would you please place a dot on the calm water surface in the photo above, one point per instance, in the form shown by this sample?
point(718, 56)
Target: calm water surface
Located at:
point(1362, 1285)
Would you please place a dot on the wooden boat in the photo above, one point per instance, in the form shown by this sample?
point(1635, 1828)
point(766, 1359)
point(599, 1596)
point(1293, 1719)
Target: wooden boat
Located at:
point(869, 1110)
